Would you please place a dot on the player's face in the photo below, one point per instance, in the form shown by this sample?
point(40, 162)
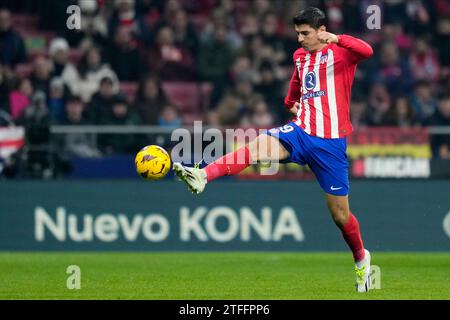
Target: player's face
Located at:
point(307, 37)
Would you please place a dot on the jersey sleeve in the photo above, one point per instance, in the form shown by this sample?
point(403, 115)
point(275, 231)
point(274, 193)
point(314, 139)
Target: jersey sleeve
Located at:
point(294, 92)
point(356, 49)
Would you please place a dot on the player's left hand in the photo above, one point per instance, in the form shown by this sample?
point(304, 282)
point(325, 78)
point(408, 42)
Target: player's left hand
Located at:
point(327, 37)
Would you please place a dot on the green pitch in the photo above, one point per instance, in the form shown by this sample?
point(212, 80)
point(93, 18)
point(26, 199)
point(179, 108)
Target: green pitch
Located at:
point(220, 276)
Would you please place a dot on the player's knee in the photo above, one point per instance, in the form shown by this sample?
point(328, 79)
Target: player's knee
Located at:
point(339, 213)
point(259, 148)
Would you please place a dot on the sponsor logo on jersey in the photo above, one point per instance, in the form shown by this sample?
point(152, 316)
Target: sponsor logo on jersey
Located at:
point(311, 95)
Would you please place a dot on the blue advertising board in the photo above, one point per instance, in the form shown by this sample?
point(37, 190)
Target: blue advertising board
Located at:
point(229, 215)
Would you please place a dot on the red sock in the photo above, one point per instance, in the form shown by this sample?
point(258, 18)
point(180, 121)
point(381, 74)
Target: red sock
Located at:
point(352, 236)
point(230, 164)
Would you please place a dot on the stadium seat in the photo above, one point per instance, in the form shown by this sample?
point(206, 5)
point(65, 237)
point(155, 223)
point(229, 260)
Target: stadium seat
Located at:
point(206, 89)
point(25, 19)
point(185, 96)
point(24, 22)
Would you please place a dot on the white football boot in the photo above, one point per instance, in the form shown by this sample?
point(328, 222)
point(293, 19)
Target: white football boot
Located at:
point(362, 268)
point(195, 178)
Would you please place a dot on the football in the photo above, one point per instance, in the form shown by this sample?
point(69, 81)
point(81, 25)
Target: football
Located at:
point(152, 162)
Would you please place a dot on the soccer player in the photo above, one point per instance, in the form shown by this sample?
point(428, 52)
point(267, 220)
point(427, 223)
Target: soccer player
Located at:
point(319, 96)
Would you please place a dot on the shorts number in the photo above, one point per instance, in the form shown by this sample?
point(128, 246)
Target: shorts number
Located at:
point(287, 129)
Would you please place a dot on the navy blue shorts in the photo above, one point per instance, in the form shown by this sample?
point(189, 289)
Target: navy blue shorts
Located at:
point(327, 158)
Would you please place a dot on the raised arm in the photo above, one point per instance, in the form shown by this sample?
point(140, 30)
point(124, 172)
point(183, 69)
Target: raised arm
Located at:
point(294, 92)
point(357, 49)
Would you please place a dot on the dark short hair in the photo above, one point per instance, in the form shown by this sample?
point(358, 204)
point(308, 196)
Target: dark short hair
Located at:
point(120, 99)
point(74, 99)
point(314, 17)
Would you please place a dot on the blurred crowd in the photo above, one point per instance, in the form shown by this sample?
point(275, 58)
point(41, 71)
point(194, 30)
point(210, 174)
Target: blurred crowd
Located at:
point(117, 69)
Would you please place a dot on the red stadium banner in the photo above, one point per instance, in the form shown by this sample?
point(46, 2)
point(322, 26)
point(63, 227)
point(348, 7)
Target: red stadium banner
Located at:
point(11, 140)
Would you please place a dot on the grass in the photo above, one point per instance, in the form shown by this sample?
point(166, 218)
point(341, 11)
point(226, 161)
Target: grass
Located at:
point(220, 276)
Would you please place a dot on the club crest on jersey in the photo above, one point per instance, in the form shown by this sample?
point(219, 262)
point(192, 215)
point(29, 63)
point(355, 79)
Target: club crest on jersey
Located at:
point(324, 59)
point(310, 80)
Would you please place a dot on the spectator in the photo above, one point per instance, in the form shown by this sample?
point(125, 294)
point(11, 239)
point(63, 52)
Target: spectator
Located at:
point(184, 32)
point(92, 69)
point(334, 12)
point(7, 82)
point(249, 26)
point(271, 88)
point(101, 102)
point(261, 8)
point(423, 102)
point(424, 62)
point(40, 75)
point(12, 48)
point(77, 144)
point(169, 118)
point(59, 53)
point(241, 64)
point(125, 15)
point(223, 16)
point(36, 120)
point(169, 61)
point(442, 40)
point(57, 100)
point(401, 114)
point(259, 51)
point(353, 16)
point(418, 17)
point(36, 116)
point(394, 11)
point(215, 59)
point(441, 143)
point(260, 116)
point(392, 70)
point(379, 104)
point(74, 112)
point(270, 36)
point(394, 32)
point(170, 9)
point(150, 100)
point(237, 103)
point(121, 115)
point(123, 55)
point(20, 98)
point(358, 109)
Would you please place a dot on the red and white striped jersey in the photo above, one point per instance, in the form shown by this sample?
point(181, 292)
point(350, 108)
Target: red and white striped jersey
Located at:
point(322, 83)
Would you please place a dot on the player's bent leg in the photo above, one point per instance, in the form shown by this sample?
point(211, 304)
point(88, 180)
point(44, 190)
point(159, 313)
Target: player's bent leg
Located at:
point(339, 208)
point(267, 148)
point(263, 148)
point(349, 225)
